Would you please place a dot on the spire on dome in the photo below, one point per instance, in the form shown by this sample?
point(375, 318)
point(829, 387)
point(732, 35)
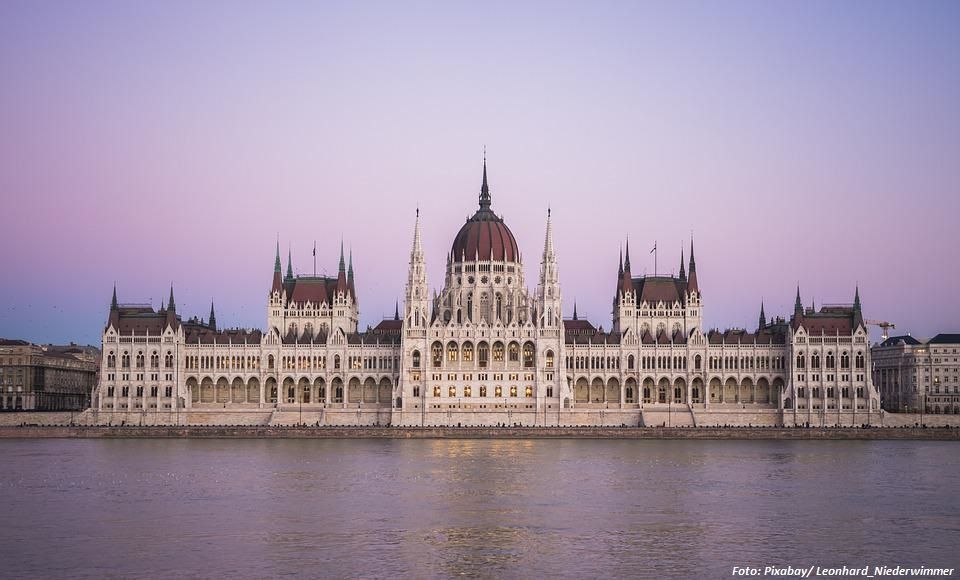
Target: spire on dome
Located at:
point(484, 188)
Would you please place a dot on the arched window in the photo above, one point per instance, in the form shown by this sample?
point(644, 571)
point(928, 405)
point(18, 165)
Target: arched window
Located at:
point(111, 360)
point(483, 391)
point(468, 352)
point(815, 361)
point(630, 362)
point(513, 391)
point(844, 360)
point(498, 392)
point(800, 361)
point(467, 391)
point(168, 360)
point(437, 354)
point(528, 393)
point(550, 358)
point(528, 355)
point(436, 391)
point(452, 392)
point(498, 352)
point(452, 351)
point(140, 359)
point(270, 362)
point(483, 354)
point(860, 360)
point(514, 352)
point(697, 362)
point(499, 306)
point(416, 359)
point(125, 360)
point(155, 360)
point(831, 360)
point(470, 306)
point(336, 362)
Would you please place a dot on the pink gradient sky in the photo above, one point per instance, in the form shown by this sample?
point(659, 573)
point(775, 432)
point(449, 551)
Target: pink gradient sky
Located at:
point(150, 142)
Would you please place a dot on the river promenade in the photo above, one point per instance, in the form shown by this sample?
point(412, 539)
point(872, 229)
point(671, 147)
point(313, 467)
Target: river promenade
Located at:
point(277, 432)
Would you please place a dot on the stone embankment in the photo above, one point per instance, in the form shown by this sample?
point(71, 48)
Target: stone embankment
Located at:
point(223, 432)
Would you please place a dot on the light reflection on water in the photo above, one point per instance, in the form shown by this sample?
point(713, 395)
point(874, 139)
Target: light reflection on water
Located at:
point(472, 508)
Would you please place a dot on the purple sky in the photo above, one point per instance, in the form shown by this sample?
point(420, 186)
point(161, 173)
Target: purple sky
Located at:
point(148, 142)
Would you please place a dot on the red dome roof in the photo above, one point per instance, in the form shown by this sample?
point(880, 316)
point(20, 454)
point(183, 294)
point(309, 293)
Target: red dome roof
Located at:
point(485, 236)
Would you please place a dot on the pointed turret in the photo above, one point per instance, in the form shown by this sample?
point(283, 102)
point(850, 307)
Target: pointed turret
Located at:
point(798, 305)
point(416, 305)
point(350, 287)
point(763, 317)
point(683, 273)
point(692, 285)
point(575, 310)
point(484, 189)
point(396, 310)
point(857, 310)
point(171, 310)
point(342, 273)
point(277, 285)
point(289, 277)
point(213, 317)
point(626, 278)
point(114, 318)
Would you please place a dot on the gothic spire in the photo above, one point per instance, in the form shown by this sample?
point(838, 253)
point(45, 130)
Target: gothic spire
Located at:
point(683, 273)
point(575, 310)
point(342, 265)
point(276, 263)
point(798, 304)
point(171, 305)
point(484, 189)
point(396, 310)
point(289, 264)
point(626, 262)
point(692, 285)
point(213, 317)
point(763, 317)
point(693, 262)
point(113, 302)
point(548, 242)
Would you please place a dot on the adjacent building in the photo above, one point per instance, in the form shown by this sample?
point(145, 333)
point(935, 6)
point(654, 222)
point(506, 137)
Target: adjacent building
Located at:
point(919, 375)
point(46, 377)
point(484, 349)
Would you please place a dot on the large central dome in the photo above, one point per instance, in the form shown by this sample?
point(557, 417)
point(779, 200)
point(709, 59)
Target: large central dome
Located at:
point(485, 236)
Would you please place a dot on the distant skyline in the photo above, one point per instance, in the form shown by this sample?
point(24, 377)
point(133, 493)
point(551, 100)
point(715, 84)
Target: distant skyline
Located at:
point(146, 143)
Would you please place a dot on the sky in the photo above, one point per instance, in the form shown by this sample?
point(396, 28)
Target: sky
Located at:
point(148, 143)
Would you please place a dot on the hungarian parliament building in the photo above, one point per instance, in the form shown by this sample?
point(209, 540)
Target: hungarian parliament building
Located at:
point(485, 350)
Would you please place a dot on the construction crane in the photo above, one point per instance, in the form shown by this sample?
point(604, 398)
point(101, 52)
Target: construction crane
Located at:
point(886, 326)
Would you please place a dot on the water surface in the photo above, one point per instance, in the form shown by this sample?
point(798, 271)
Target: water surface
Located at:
point(476, 508)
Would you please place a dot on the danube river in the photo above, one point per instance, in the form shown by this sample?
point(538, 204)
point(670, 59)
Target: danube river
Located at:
point(247, 508)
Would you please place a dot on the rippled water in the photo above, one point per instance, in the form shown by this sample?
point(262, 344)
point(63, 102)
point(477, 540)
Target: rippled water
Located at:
point(475, 508)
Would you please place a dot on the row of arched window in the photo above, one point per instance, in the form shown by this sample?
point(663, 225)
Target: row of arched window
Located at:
point(249, 362)
point(468, 391)
point(455, 352)
point(139, 360)
point(830, 360)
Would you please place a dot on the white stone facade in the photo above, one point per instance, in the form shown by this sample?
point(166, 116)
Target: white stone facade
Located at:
point(484, 350)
